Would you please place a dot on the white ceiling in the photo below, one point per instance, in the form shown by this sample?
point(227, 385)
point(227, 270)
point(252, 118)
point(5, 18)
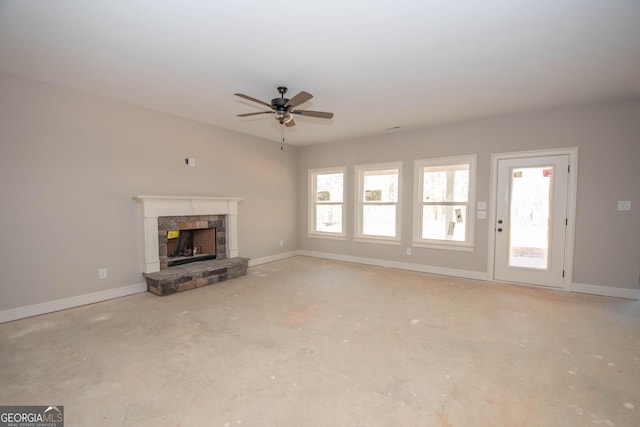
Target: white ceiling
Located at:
point(376, 64)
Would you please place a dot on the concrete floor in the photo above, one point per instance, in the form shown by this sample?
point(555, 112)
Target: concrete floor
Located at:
point(309, 342)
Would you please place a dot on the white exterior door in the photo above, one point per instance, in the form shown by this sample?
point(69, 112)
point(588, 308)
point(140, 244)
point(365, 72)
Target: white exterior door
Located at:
point(531, 220)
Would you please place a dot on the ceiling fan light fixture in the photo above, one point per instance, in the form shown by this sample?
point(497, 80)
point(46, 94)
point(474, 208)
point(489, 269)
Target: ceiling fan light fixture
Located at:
point(283, 117)
point(288, 117)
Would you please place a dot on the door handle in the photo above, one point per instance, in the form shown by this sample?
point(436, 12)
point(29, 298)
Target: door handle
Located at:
point(499, 221)
point(500, 230)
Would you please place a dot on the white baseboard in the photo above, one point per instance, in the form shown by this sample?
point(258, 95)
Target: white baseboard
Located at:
point(79, 300)
point(444, 271)
point(65, 303)
point(606, 291)
point(272, 258)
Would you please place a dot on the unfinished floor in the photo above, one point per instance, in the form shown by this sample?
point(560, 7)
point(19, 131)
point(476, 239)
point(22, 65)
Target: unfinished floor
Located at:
point(310, 342)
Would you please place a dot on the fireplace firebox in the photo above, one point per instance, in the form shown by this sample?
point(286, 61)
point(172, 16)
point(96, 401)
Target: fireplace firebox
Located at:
point(186, 246)
point(187, 239)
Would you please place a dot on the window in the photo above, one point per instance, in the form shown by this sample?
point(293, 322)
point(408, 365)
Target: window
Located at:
point(326, 189)
point(378, 194)
point(443, 216)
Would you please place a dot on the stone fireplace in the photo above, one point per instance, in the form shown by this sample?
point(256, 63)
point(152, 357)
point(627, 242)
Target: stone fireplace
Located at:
point(189, 242)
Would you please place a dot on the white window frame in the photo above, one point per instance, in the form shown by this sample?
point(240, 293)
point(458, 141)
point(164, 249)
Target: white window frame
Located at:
point(469, 221)
point(360, 203)
point(313, 202)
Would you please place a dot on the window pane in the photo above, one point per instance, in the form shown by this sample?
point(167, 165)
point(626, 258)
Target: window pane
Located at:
point(379, 220)
point(444, 222)
point(435, 187)
point(446, 184)
point(329, 187)
point(329, 218)
point(381, 186)
point(460, 186)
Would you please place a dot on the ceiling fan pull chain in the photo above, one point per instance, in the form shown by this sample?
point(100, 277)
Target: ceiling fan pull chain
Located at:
point(282, 133)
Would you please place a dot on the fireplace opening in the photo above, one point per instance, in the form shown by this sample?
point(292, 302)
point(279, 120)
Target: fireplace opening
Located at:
point(186, 246)
point(179, 236)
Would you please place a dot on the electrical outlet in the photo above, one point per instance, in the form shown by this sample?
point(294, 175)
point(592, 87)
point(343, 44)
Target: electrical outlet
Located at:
point(408, 251)
point(102, 273)
point(281, 243)
point(624, 205)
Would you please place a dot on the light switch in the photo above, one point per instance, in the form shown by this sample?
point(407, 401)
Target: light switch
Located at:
point(624, 205)
point(482, 206)
point(481, 215)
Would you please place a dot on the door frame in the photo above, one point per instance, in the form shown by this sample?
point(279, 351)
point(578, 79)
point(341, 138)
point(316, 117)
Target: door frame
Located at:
point(572, 187)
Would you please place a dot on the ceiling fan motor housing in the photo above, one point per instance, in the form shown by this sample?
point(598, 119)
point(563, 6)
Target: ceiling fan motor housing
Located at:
point(279, 103)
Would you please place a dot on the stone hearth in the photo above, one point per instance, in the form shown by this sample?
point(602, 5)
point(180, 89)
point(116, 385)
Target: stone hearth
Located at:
point(195, 275)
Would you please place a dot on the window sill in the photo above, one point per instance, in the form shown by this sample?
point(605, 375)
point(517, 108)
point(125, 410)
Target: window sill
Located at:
point(327, 236)
point(380, 241)
point(444, 246)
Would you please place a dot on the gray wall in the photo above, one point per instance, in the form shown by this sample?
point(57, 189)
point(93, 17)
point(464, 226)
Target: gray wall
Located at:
point(70, 163)
point(607, 243)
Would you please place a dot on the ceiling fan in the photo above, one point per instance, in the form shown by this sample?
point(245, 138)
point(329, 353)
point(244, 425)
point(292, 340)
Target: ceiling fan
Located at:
point(283, 108)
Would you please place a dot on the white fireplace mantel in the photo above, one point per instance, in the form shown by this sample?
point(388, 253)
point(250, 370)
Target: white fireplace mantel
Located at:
point(157, 206)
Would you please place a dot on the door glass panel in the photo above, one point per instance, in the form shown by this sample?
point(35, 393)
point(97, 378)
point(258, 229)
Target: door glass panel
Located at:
point(529, 231)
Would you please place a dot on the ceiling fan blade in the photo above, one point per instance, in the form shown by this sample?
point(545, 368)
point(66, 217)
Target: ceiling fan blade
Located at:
point(255, 114)
point(299, 99)
point(253, 99)
point(290, 123)
point(320, 114)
